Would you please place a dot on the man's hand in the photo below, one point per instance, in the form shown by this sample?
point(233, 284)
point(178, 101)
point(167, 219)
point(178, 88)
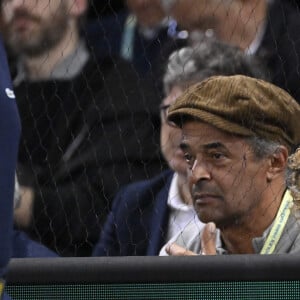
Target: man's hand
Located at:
point(23, 209)
point(208, 239)
point(208, 243)
point(175, 250)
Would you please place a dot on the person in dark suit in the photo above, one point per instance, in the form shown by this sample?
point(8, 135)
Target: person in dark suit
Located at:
point(141, 34)
point(268, 29)
point(138, 34)
point(146, 214)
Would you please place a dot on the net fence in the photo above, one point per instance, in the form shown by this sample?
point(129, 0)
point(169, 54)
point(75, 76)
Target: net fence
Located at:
point(94, 81)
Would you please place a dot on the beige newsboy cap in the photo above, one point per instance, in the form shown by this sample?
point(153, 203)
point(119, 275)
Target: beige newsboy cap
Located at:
point(243, 106)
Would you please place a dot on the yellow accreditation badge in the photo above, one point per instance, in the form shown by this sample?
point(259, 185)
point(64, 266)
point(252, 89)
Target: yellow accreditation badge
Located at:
point(279, 224)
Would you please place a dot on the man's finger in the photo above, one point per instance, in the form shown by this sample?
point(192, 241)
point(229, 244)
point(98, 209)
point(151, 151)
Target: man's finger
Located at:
point(208, 239)
point(175, 250)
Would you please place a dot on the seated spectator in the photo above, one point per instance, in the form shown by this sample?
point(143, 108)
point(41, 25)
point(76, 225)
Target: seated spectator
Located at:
point(9, 141)
point(142, 34)
point(237, 134)
point(138, 34)
point(268, 29)
point(89, 125)
point(146, 214)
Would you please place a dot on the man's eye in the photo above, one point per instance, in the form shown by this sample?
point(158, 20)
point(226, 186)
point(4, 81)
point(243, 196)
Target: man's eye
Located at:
point(188, 157)
point(217, 155)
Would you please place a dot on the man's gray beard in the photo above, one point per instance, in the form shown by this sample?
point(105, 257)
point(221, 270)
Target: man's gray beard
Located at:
point(46, 39)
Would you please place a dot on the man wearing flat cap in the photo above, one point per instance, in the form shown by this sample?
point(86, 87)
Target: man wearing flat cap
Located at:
point(237, 135)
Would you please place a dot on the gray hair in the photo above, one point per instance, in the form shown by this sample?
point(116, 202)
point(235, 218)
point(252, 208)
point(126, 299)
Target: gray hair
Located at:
point(262, 148)
point(206, 58)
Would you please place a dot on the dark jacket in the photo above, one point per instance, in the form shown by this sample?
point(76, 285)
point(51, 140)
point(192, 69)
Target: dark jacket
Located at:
point(138, 221)
point(9, 142)
point(82, 140)
point(280, 47)
point(105, 37)
point(24, 247)
point(149, 55)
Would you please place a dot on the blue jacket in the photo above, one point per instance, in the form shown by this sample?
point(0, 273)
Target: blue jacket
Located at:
point(9, 142)
point(106, 38)
point(138, 220)
point(24, 247)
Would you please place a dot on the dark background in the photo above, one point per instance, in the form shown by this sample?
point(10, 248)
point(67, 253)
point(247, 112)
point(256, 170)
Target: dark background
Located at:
point(104, 7)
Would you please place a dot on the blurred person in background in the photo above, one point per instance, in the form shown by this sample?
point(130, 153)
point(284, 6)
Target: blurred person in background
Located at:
point(138, 34)
point(268, 29)
point(146, 214)
point(141, 33)
point(88, 123)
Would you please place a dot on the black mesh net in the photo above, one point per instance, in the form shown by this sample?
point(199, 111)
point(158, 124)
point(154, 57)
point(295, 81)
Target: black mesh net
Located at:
point(94, 86)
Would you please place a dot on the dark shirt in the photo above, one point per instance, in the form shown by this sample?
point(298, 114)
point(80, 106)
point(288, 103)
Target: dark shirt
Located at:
point(82, 140)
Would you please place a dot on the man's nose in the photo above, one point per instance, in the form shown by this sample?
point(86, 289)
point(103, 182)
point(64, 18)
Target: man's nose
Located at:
point(199, 171)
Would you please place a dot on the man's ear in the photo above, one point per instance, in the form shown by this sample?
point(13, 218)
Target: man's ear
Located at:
point(277, 162)
point(78, 7)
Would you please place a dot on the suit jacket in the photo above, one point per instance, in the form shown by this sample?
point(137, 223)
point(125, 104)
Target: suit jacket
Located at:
point(138, 221)
point(280, 47)
point(105, 37)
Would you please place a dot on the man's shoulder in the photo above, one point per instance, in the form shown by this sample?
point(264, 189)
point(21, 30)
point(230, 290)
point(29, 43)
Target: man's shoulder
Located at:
point(159, 180)
point(289, 242)
point(293, 231)
point(96, 68)
point(122, 84)
point(141, 191)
